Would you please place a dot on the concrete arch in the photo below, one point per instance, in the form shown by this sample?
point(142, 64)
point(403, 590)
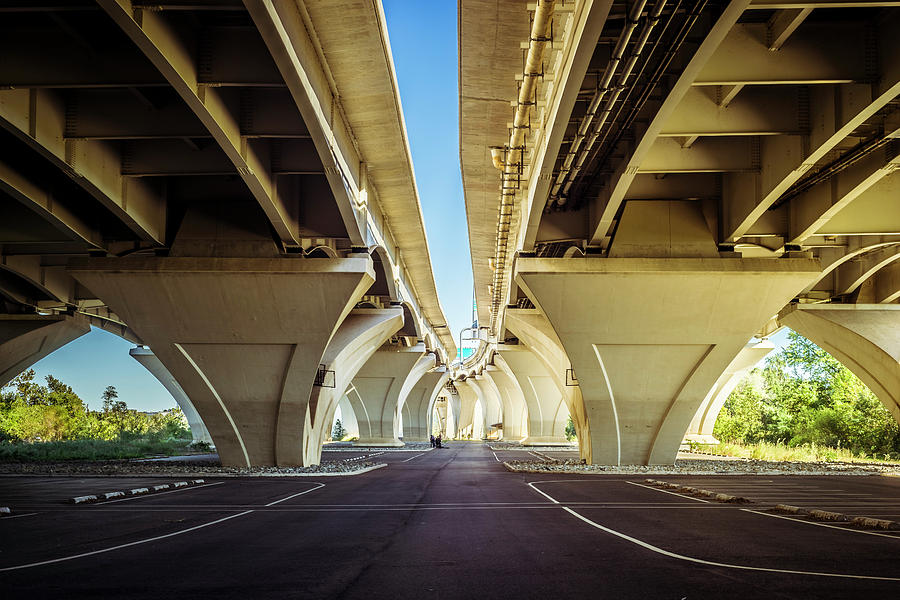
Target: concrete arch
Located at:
point(831, 263)
point(701, 428)
point(356, 340)
point(148, 360)
point(378, 391)
point(863, 337)
point(467, 416)
point(321, 252)
point(536, 333)
point(384, 285)
point(542, 396)
point(515, 415)
point(348, 417)
point(412, 325)
point(26, 339)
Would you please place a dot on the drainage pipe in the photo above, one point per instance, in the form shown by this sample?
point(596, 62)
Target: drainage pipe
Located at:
point(512, 165)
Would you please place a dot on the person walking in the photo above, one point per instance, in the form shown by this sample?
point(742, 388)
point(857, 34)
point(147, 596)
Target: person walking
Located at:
point(432, 440)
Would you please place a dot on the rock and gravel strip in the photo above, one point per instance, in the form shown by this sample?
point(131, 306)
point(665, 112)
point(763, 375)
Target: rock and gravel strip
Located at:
point(692, 466)
point(127, 468)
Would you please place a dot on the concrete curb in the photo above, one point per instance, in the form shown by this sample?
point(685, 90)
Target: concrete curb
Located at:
point(133, 492)
point(816, 514)
point(872, 523)
point(349, 474)
point(827, 515)
point(789, 508)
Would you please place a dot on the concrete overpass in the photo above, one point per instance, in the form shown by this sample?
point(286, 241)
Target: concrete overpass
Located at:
point(651, 185)
point(230, 184)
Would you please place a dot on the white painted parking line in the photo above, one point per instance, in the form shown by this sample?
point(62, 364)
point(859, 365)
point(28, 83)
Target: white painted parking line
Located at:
point(129, 544)
point(701, 561)
point(155, 538)
point(847, 529)
point(17, 516)
point(318, 486)
point(495, 456)
point(668, 492)
point(412, 457)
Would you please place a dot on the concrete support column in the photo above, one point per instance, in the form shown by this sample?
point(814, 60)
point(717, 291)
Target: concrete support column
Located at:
point(535, 332)
point(649, 337)
point(467, 398)
point(360, 335)
point(149, 361)
point(376, 393)
point(422, 366)
point(420, 404)
point(547, 412)
point(864, 337)
point(348, 417)
point(511, 400)
point(26, 339)
point(444, 417)
point(492, 412)
point(244, 337)
point(701, 427)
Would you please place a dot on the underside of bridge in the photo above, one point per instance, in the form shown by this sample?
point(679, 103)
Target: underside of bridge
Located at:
point(653, 187)
point(228, 183)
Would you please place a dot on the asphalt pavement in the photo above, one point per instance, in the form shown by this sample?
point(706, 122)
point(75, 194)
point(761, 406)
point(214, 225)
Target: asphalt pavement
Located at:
point(444, 524)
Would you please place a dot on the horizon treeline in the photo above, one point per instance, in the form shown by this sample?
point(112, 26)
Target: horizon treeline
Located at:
point(31, 412)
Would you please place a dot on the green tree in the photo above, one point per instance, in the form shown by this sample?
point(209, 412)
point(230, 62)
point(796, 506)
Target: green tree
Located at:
point(805, 396)
point(571, 434)
point(338, 432)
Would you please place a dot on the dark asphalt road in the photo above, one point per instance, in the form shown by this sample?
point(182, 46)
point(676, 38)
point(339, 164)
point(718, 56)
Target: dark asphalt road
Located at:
point(443, 524)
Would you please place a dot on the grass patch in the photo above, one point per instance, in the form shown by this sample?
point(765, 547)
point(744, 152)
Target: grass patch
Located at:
point(783, 452)
point(122, 448)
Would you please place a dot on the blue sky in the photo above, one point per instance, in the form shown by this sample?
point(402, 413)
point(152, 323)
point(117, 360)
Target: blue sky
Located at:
point(423, 42)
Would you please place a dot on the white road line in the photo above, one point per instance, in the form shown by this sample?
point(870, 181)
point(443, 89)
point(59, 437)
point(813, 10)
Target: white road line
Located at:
point(120, 546)
point(17, 516)
point(701, 561)
point(156, 538)
point(412, 457)
point(786, 518)
point(319, 485)
point(184, 489)
point(655, 489)
point(495, 456)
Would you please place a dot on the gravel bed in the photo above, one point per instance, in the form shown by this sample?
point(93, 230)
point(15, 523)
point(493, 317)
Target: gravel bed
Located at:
point(737, 466)
point(126, 468)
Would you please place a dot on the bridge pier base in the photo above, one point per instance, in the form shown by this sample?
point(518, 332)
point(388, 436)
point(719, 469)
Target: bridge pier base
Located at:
point(378, 390)
point(649, 337)
point(511, 400)
point(863, 337)
point(148, 360)
point(360, 335)
point(465, 426)
point(420, 404)
point(547, 411)
point(26, 339)
point(242, 336)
